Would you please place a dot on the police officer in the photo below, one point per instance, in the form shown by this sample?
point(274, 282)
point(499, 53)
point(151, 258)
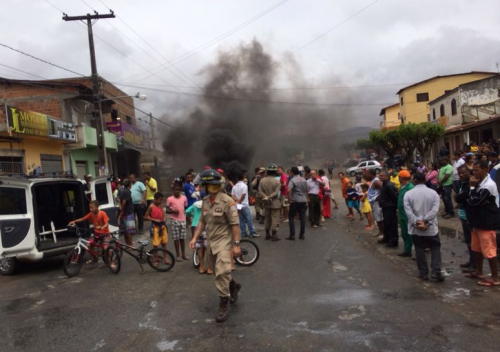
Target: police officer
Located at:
point(259, 210)
point(269, 189)
point(221, 221)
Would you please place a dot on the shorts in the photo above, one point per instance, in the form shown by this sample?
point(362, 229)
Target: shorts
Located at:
point(284, 201)
point(202, 240)
point(160, 235)
point(127, 224)
point(484, 241)
point(178, 229)
point(105, 239)
point(353, 204)
point(377, 212)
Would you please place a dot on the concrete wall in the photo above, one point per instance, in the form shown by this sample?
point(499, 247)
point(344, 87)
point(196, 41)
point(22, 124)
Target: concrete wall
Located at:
point(446, 101)
point(416, 112)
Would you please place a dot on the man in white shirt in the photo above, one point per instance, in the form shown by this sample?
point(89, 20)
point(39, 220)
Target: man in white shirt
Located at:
point(458, 161)
point(240, 195)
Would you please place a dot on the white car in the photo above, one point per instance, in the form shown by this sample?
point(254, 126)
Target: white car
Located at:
point(365, 165)
point(35, 211)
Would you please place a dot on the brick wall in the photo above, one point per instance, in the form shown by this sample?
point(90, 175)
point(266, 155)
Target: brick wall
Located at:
point(50, 100)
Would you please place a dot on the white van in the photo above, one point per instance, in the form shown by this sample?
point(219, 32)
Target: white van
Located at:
point(35, 211)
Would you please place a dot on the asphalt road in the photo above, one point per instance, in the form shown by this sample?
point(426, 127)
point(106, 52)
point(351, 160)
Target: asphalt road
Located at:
point(335, 291)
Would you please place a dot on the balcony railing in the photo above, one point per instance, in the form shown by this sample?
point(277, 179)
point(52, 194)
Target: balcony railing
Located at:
point(9, 167)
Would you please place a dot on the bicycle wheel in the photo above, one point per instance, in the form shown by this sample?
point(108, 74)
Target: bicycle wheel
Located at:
point(157, 258)
point(113, 260)
point(250, 253)
point(73, 262)
point(196, 260)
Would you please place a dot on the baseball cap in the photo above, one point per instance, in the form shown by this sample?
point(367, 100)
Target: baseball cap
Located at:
point(262, 169)
point(207, 167)
point(404, 174)
point(220, 170)
point(89, 176)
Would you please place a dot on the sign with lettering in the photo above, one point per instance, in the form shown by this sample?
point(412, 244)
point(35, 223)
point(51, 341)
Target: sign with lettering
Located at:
point(129, 133)
point(37, 124)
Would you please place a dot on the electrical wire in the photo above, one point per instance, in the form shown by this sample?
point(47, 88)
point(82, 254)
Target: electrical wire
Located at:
point(27, 73)
point(252, 100)
point(42, 60)
point(210, 43)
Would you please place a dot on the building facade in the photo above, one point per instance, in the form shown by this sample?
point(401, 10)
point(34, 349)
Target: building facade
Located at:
point(414, 100)
point(47, 126)
point(391, 117)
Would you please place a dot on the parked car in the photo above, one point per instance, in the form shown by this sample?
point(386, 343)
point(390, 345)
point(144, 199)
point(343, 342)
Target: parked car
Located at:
point(365, 165)
point(35, 211)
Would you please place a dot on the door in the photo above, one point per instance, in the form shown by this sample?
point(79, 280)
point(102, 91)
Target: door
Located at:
point(81, 168)
point(51, 163)
point(101, 191)
point(16, 226)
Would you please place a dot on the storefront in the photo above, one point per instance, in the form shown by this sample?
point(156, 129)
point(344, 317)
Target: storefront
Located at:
point(35, 143)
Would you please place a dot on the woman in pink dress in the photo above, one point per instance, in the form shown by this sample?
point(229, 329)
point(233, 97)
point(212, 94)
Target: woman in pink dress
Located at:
point(327, 206)
point(432, 176)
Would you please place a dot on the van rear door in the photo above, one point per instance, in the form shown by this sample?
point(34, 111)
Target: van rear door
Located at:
point(17, 235)
point(101, 191)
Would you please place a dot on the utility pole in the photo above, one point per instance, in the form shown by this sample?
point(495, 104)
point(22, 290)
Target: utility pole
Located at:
point(96, 86)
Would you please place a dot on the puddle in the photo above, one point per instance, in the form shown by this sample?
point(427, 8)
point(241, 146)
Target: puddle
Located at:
point(451, 233)
point(348, 297)
point(167, 345)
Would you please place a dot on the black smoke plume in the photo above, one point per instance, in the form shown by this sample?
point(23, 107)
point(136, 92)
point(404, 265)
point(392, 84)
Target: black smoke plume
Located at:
point(234, 128)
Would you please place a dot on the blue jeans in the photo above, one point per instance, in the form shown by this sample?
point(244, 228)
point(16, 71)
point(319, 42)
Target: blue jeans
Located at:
point(246, 220)
point(448, 204)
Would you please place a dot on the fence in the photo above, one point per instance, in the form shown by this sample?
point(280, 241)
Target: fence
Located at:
point(9, 167)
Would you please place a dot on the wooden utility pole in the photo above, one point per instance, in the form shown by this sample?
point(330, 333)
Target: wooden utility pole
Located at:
point(96, 86)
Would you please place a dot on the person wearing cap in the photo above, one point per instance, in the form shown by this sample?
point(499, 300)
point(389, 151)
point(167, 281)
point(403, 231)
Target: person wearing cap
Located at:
point(269, 189)
point(259, 209)
point(220, 219)
point(406, 185)
point(421, 206)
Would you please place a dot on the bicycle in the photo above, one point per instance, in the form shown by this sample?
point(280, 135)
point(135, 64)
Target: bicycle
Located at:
point(73, 261)
point(154, 257)
point(249, 255)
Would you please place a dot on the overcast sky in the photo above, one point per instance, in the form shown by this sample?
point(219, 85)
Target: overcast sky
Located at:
point(391, 43)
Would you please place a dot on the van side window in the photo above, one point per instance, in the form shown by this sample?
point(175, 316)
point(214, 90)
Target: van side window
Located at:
point(13, 201)
point(101, 193)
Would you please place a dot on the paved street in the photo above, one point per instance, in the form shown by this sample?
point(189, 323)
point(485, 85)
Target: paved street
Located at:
point(335, 291)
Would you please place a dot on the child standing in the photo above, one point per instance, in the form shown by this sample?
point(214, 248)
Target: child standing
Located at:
point(176, 206)
point(366, 208)
point(194, 211)
point(353, 201)
point(156, 215)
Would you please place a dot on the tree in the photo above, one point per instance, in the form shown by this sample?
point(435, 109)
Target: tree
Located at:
point(424, 136)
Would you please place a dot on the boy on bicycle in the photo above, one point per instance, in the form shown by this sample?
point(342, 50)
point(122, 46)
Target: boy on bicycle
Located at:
point(156, 215)
point(100, 220)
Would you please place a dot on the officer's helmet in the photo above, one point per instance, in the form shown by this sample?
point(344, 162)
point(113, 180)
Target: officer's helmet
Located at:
point(272, 167)
point(210, 177)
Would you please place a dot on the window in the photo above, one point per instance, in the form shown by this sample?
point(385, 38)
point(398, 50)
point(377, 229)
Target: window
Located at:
point(399, 116)
point(433, 114)
point(422, 97)
point(428, 117)
point(441, 110)
point(402, 101)
point(101, 193)
point(371, 163)
point(129, 120)
point(453, 107)
point(13, 201)
point(362, 164)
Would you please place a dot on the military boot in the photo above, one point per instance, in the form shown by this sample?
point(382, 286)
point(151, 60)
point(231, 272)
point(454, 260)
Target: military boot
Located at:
point(275, 237)
point(234, 288)
point(223, 310)
point(268, 235)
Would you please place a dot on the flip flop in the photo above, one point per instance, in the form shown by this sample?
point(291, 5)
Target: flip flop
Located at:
point(473, 276)
point(488, 283)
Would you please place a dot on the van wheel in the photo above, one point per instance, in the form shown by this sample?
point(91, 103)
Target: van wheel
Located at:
point(8, 266)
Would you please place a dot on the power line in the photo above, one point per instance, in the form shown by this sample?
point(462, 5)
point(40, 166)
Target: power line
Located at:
point(253, 100)
point(42, 60)
point(154, 49)
point(208, 44)
point(27, 73)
